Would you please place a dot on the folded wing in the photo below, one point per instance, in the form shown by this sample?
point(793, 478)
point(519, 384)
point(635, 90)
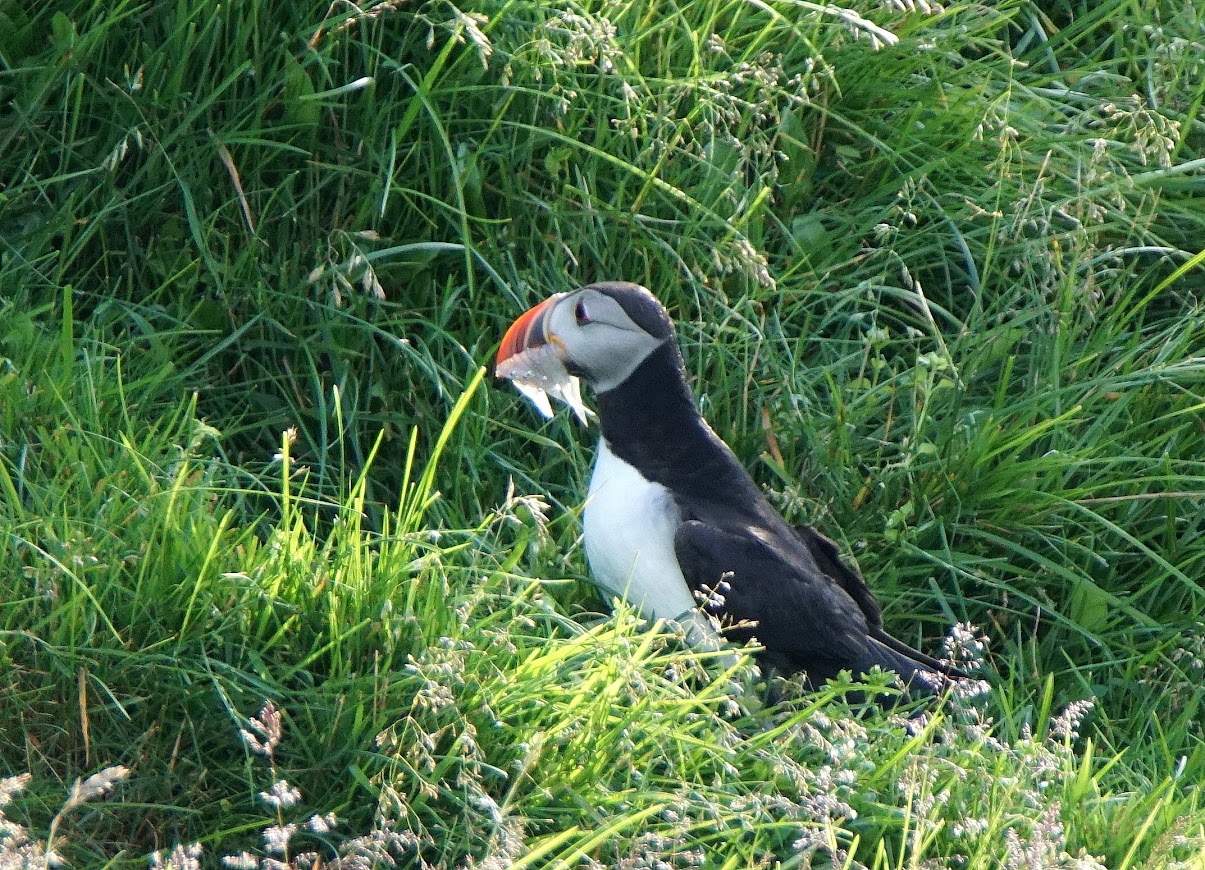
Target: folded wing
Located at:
point(810, 612)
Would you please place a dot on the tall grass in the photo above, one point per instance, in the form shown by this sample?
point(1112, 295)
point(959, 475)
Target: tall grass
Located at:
point(937, 274)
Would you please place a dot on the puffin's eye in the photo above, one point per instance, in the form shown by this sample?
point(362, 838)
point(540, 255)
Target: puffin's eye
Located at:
point(579, 313)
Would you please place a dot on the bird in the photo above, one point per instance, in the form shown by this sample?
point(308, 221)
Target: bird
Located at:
point(672, 521)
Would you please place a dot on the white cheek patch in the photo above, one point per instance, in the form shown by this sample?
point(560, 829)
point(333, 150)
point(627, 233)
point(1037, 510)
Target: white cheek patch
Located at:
point(538, 373)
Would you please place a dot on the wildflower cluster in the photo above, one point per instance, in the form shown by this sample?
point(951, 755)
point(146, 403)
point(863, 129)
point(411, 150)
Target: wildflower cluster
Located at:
point(967, 768)
point(262, 737)
point(1175, 677)
point(346, 264)
point(1176, 44)
point(1150, 135)
point(725, 121)
point(18, 850)
point(562, 44)
point(278, 849)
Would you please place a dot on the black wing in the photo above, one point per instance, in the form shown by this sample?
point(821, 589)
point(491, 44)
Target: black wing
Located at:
point(828, 559)
point(805, 618)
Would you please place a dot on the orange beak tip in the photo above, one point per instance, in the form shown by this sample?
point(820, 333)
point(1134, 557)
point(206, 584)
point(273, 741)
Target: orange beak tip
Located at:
point(528, 331)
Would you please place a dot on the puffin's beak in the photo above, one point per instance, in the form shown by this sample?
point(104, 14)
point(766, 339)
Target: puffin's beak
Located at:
point(530, 331)
point(532, 358)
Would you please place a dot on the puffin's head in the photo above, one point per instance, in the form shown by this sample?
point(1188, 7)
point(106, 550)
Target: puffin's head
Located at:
point(599, 333)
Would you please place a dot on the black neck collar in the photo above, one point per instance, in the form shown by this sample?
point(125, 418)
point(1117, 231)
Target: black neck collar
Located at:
point(651, 422)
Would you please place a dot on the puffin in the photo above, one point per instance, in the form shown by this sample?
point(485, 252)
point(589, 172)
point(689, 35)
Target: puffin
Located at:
point(673, 523)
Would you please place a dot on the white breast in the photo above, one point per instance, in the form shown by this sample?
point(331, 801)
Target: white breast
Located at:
point(629, 524)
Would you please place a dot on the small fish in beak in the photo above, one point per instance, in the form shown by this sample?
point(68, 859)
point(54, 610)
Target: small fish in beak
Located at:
point(534, 362)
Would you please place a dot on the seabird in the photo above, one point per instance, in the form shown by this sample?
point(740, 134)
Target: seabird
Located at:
point(673, 521)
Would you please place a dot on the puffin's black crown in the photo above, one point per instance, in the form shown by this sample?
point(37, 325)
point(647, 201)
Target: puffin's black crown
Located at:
point(640, 305)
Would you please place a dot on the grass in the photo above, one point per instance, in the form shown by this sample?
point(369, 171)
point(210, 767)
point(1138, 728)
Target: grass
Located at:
point(937, 275)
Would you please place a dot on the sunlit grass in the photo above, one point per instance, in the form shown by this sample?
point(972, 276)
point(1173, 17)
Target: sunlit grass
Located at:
point(941, 294)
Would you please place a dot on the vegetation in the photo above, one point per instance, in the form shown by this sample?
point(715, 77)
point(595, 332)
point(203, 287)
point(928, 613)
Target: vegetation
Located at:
point(938, 277)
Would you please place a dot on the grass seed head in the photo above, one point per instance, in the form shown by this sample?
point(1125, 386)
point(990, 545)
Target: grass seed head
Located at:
point(267, 731)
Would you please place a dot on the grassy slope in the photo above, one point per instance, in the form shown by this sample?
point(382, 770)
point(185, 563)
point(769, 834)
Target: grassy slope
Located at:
point(946, 290)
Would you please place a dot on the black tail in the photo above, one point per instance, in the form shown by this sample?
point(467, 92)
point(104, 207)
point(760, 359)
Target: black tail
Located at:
point(921, 674)
point(916, 657)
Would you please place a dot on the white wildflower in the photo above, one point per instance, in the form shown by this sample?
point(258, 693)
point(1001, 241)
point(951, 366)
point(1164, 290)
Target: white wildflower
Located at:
point(241, 861)
point(97, 785)
point(266, 725)
point(280, 796)
point(11, 786)
point(964, 647)
point(322, 824)
point(1065, 726)
point(180, 858)
point(276, 838)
